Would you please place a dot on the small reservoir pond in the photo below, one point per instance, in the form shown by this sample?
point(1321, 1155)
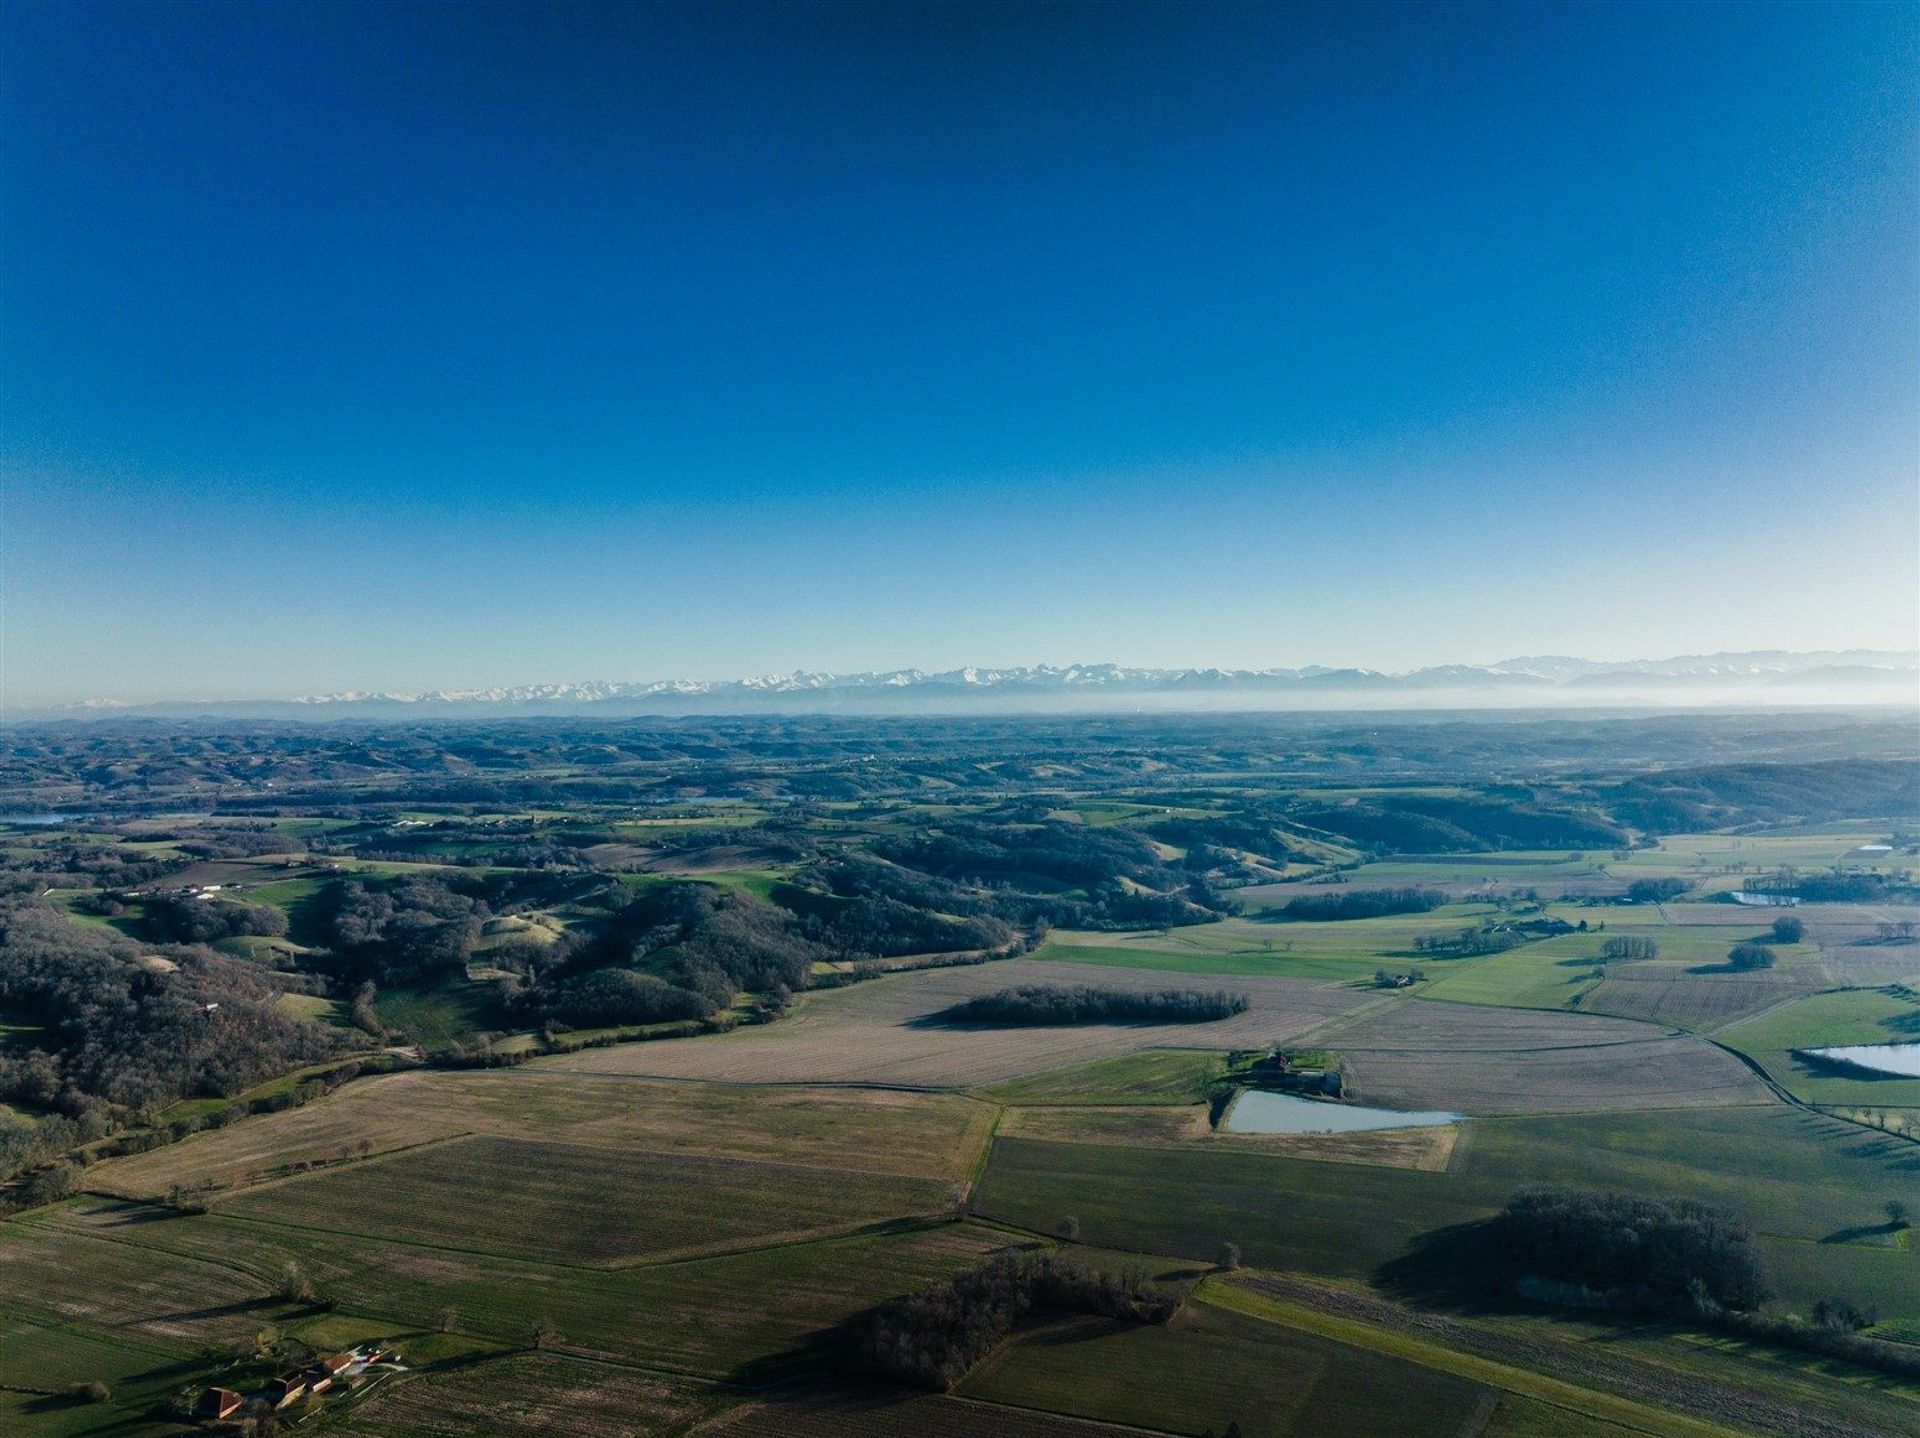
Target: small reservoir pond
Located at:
point(1903, 1059)
point(1257, 1111)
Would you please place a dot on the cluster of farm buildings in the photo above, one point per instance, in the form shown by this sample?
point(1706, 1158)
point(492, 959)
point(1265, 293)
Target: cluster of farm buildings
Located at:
point(289, 1387)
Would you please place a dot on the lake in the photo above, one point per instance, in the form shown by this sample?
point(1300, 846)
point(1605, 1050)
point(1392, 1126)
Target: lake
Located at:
point(1903, 1059)
point(1257, 1111)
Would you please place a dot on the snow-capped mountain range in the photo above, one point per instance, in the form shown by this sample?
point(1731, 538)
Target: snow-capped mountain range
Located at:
point(1761, 677)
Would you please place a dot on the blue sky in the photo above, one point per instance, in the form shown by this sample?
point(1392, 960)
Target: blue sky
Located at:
point(401, 347)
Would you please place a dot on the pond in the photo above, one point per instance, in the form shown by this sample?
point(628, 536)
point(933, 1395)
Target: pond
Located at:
point(1257, 1111)
point(1902, 1059)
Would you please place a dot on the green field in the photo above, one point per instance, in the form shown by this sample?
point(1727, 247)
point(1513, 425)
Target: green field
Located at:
point(1797, 1178)
point(441, 1013)
point(1344, 950)
point(39, 1352)
point(1213, 1367)
point(706, 1316)
point(527, 1395)
point(1852, 1016)
point(18, 1029)
point(1152, 1076)
point(300, 900)
point(1688, 986)
point(579, 1204)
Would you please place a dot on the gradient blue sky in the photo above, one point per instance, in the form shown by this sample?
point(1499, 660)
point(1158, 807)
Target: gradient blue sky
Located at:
point(386, 346)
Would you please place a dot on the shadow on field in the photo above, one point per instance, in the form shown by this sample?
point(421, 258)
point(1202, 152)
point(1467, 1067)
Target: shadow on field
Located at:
point(855, 1407)
point(816, 1353)
point(128, 1211)
point(1466, 1271)
point(1864, 1230)
point(1072, 1332)
point(220, 1310)
point(1460, 1267)
point(941, 1019)
point(178, 1371)
point(54, 1403)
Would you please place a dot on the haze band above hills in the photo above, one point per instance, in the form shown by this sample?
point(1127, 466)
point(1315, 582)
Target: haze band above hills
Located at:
point(1769, 678)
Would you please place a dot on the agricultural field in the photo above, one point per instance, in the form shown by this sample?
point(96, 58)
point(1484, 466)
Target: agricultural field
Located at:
point(1217, 1367)
point(579, 1203)
point(528, 1396)
point(1427, 1148)
point(1417, 1053)
point(1152, 1076)
point(1848, 1016)
point(1254, 947)
point(706, 1317)
point(877, 1130)
point(1799, 1179)
point(889, 1413)
point(886, 1031)
point(615, 1111)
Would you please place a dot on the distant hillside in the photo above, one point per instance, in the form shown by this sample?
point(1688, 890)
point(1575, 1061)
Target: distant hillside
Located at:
point(1766, 678)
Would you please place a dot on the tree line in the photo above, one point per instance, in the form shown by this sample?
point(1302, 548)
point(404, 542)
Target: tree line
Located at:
point(1364, 903)
point(932, 1338)
point(1048, 1004)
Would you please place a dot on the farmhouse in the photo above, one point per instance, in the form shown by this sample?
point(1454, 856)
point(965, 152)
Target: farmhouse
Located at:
point(283, 1390)
point(217, 1403)
point(1275, 1070)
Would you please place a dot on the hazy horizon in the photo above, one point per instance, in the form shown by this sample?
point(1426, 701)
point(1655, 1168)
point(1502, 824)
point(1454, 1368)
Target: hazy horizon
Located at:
point(1853, 677)
point(237, 689)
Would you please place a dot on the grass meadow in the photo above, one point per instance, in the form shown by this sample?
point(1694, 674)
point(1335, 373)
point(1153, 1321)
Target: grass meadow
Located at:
point(1800, 1179)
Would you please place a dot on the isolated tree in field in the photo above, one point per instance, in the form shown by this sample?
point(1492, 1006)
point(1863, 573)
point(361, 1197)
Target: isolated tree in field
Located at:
point(295, 1286)
point(1625, 950)
point(1068, 1229)
point(1748, 957)
point(1899, 1214)
point(1842, 1315)
point(447, 1320)
point(1788, 930)
point(91, 1390)
point(543, 1334)
point(1229, 1256)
